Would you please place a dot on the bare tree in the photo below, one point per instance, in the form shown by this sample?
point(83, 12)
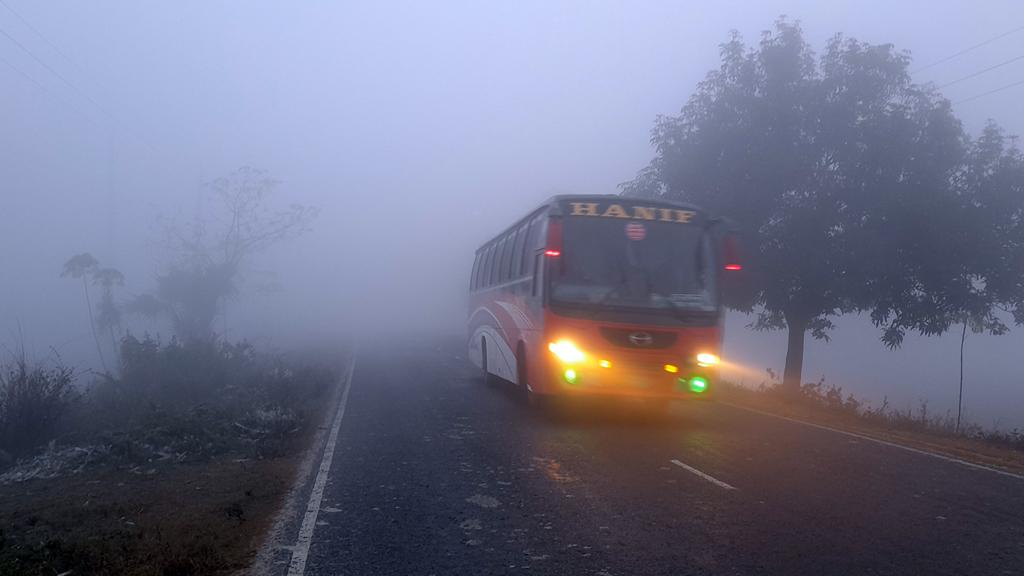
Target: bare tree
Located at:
point(109, 317)
point(208, 256)
point(83, 266)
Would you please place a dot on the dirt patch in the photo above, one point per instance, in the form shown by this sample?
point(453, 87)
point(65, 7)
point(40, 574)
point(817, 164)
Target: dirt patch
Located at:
point(192, 518)
point(975, 450)
point(191, 492)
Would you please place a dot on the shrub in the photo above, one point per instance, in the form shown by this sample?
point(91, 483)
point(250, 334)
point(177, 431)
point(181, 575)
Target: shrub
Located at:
point(192, 400)
point(33, 400)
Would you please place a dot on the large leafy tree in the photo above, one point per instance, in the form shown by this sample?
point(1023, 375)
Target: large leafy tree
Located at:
point(846, 178)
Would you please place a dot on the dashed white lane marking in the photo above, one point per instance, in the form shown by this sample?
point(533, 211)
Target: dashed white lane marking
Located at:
point(707, 477)
point(883, 442)
point(300, 553)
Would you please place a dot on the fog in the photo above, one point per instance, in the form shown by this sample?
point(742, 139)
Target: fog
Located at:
point(419, 130)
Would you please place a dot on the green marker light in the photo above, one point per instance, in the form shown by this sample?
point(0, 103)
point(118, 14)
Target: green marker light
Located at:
point(698, 384)
point(570, 376)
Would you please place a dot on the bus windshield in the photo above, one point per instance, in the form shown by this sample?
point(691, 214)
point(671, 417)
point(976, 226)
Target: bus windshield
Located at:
point(606, 262)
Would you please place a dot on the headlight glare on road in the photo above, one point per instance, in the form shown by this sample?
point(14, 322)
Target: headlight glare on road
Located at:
point(706, 359)
point(566, 351)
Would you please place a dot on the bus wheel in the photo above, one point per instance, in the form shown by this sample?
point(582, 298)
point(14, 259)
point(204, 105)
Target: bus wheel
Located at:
point(483, 360)
point(529, 398)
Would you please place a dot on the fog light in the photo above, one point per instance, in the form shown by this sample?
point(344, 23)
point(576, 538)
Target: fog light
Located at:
point(570, 376)
point(671, 368)
point(698, 384)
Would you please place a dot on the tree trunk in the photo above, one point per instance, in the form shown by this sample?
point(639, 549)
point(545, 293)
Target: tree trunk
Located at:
point(117, 351)
point(92, 325)
point(794, 355)
point(960, 396)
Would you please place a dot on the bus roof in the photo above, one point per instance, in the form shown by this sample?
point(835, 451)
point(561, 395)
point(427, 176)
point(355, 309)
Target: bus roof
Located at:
point(557, 200)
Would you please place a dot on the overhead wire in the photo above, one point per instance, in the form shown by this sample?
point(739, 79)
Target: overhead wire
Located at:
point(109, 116)
point(983, 71)
point(993, 91)
point(55, 72)
point(36, 31)
point(28, 77)
point(968, 49)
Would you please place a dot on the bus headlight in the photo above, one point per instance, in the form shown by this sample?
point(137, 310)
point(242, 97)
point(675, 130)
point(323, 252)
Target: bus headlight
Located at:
point(706, 359)
point(566, 351)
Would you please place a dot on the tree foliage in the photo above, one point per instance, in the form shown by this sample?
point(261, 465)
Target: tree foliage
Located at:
point(856, 188)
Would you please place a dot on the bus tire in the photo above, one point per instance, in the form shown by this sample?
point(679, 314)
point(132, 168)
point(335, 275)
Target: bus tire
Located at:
point(529, 398)
point(483, 360)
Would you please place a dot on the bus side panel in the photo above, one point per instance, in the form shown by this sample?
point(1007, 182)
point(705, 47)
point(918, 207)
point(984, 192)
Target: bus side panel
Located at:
point(511, 314)
point(494, 323)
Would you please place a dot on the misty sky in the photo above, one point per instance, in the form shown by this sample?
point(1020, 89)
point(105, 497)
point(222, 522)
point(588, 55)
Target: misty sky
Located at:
point(419, 129)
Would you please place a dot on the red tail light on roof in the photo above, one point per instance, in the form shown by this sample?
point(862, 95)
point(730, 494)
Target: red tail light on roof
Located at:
point(731, 253)
point(554, 242)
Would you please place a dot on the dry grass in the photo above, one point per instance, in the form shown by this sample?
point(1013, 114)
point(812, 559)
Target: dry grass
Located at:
point(176, 467)
point(828, 405)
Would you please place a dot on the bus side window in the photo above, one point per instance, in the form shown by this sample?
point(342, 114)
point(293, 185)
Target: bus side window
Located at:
point(508, 269)
point(517, 252)
point(536, 233)
point(528, 247)
point(473, 274)
point(495, 262)
point(538, 267)
point(485, 278)
point(506, 243)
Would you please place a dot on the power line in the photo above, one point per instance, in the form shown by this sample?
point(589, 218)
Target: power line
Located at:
point(43, 88)
point(980, 72)
point(113, 120)
point(968, 49)
point(23, 74)
point(1000, 89)
point(38, 33)
point(55, 73)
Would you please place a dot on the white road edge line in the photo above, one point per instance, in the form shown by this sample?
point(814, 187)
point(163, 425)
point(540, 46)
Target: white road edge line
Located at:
point(707, 477)
point(882, 442)
point(297, 566)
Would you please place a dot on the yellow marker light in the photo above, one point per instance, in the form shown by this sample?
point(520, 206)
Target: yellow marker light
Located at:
point(566, 351)
point(671, 368)
point(705, 359)
point(604, 364)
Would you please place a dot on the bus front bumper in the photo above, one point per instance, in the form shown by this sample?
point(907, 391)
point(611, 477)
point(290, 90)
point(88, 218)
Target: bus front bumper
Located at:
point(690, 382)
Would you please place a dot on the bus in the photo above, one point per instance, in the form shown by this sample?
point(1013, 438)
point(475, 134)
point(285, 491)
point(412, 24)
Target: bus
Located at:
point(602, 295)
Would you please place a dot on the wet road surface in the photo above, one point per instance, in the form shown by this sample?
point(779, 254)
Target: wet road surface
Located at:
point(435, 472)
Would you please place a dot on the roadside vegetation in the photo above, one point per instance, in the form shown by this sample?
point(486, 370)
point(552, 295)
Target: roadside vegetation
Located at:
point(173, 467)
point(172, 456)
point(920, 427)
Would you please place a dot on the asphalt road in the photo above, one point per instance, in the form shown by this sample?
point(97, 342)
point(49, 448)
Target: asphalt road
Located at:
point(435, 472)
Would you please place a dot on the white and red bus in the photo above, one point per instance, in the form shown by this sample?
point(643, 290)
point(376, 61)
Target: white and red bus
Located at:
point(602, 295)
